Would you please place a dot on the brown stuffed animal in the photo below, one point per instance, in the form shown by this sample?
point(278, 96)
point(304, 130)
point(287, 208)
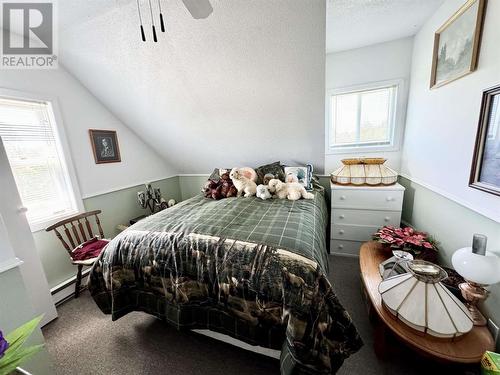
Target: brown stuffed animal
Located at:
point(221, 188)
point(267, 177)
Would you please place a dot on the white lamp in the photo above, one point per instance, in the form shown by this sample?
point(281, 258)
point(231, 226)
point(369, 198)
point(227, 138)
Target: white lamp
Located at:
point(479, 268)
point(420, 300)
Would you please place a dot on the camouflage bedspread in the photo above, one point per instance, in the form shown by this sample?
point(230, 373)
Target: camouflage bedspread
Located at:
point(252, 269)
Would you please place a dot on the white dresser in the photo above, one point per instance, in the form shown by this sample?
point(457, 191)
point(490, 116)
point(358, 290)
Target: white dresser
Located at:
point(358, 211)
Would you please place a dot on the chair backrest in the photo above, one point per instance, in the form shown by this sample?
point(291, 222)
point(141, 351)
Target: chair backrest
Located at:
point(74, 230)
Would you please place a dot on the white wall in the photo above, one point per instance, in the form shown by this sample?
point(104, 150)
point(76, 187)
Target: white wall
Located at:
point(442, 123)
point(81, 111)
point(16, 234)
point(243, 87)
point(379, 62)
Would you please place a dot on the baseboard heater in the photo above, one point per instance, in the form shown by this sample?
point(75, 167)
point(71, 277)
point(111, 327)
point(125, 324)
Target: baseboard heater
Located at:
point(66, 290)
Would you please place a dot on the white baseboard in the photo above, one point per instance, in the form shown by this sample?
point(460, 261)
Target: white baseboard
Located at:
point(240, 344)
point(66, 289)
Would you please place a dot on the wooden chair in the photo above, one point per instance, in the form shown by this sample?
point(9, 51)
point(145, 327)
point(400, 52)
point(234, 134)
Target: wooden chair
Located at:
point(73, 228)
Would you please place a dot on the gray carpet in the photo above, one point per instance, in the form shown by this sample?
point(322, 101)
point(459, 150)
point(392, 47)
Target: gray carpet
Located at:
point(85, 341)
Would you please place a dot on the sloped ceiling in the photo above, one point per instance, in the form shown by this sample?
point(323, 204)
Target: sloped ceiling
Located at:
point(358, 23)
point(244, 86)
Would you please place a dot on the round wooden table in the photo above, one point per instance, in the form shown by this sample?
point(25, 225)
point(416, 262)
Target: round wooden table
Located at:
point(468, 348)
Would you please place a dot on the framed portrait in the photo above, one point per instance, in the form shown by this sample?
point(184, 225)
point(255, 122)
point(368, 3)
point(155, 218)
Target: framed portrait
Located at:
point(485, 171)
point(457, 44)
point(105, 146)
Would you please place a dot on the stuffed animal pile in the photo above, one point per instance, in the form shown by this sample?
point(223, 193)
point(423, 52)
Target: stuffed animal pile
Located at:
point(242, 182)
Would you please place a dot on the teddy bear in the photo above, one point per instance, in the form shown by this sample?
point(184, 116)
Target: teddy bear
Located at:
point(267, 177)
point(290, 177)
point(221, 188)
point(290, 190)
point(245, 186)
point(263, 192)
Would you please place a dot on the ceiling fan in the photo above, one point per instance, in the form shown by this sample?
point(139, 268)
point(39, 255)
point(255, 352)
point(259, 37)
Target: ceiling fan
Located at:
point(199, 9)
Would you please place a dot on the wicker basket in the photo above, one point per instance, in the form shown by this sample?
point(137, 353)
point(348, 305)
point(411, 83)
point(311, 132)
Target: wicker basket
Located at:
point(364, 171)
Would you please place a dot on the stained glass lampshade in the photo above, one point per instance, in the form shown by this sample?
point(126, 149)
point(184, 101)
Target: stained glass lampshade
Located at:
point(420, 300)
point(364, 171)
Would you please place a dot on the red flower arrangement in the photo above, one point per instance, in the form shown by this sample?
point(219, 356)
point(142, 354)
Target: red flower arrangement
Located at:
point(420, 244)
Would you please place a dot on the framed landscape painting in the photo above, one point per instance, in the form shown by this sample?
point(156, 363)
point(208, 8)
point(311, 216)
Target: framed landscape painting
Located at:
point(105, 146)
point(485, 172)
point(457, 43)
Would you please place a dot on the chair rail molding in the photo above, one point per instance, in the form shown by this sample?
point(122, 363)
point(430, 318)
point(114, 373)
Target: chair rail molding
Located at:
point(9, 264)
point(488, 214)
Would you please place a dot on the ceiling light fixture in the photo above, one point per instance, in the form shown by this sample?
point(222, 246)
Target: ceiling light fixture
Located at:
point(143, 35)
point(152, 21)
point(162, 25)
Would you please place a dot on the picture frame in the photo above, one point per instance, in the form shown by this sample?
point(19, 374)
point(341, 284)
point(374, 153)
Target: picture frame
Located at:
point(105, 146)
point(457, 44)
point(485, 170)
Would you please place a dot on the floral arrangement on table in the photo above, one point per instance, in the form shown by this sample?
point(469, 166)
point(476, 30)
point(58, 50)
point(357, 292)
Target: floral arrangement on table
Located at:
point(12, 351)
point(419, 244)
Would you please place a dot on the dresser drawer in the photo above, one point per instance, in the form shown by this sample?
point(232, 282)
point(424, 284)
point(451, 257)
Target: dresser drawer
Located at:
point(345, 247)
point(365, 217)
point(387, 200)
point(353, 232)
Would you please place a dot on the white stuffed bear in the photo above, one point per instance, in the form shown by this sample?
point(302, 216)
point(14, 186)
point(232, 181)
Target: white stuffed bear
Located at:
point(263, 192)
point(242, 183)
point(290, 177)
point(290, 190)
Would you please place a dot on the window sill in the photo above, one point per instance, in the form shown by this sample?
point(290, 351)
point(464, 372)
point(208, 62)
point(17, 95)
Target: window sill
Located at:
point(361, 150)
point(40, 226)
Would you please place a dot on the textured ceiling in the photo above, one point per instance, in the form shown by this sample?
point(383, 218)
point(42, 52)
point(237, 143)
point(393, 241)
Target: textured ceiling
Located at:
point(218, 91)
point(210, 90)
point(358, 23)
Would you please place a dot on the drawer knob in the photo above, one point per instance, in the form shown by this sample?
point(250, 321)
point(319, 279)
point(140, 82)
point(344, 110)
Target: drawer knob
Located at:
point(341, 231)
point(342, 217)
point(342, 197)
point(341, 246)
point(387, 218)
point(389, 199)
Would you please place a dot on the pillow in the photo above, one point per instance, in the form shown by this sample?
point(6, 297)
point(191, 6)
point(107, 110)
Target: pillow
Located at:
point(89, 249)
point(302, 175)
point(274, 168)
point(218, 172)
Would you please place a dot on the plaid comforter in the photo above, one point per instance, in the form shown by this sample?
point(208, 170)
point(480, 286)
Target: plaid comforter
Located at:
point(252, 269)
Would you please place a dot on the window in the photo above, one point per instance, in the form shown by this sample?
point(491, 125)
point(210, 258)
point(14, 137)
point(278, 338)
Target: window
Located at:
point(34, 150)
point(494, 120)
point(363, 118)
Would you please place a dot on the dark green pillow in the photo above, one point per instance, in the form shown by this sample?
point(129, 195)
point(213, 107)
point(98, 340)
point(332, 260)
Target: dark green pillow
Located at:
point(274, 168)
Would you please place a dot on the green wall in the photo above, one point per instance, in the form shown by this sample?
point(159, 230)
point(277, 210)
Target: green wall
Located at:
point(117, 207)
point(191, 185)
point(453, 226)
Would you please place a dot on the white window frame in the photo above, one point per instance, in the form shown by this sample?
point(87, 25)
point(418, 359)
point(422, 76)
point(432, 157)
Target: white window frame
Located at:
point(398, 119)
point(62, 148)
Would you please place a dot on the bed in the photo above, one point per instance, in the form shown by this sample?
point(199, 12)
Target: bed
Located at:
point(252, 269)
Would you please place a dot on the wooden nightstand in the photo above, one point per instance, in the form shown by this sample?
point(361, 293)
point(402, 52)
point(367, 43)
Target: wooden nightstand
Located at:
point(466, 349)
point(359, 211)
